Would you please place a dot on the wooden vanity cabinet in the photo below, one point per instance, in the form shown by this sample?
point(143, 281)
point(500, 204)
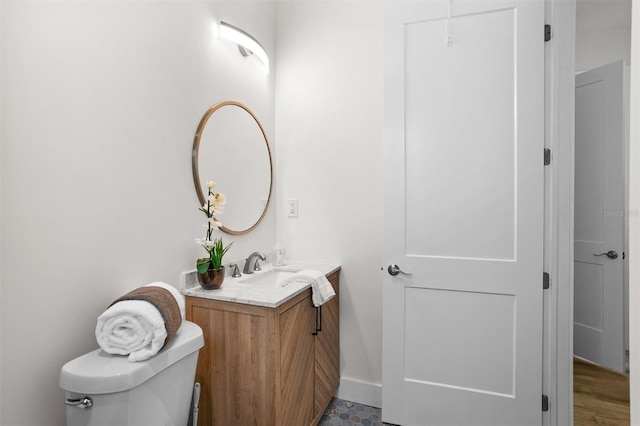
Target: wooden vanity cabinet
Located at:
point(267, 366)
point(327, 352)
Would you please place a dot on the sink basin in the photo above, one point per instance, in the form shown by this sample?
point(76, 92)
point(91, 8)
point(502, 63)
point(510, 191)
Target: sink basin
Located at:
point(270, 278)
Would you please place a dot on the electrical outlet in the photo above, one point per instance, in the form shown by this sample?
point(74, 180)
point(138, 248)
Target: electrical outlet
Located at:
point(292, 207)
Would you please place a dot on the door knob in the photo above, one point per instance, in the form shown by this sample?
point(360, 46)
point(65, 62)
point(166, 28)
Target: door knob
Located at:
point(611, 254)
point(395, 270)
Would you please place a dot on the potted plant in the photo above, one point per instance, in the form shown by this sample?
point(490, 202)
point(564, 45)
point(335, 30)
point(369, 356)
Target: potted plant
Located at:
point(210, 269)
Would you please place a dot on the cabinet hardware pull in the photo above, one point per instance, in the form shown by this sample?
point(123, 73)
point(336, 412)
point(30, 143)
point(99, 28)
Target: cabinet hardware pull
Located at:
point(315, 333)
point(318, 321)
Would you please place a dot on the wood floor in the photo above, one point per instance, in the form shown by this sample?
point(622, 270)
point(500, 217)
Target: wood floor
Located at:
point(600, 396)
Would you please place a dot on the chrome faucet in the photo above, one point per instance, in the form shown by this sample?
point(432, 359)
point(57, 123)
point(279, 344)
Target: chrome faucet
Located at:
point(252, 262)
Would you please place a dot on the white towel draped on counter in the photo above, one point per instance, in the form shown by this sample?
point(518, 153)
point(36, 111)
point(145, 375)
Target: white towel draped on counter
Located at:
point(321, 289)
point(137, 327)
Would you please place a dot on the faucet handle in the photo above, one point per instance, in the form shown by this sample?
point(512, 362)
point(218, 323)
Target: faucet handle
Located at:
point(236, 272)
point(257, 266)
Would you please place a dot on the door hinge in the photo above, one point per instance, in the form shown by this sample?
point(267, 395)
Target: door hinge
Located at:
point(547, 32)
point(547, 156)
point(545, 403)
point(546, 281)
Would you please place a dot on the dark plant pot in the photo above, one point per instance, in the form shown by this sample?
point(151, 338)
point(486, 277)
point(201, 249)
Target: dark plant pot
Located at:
point(212, 279)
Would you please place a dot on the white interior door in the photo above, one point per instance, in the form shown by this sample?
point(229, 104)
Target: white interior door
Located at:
point(463, 153)
point(599, 216)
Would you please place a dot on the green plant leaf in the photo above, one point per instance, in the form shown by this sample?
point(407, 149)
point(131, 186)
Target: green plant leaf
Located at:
point(217, 252)
point(202, 265)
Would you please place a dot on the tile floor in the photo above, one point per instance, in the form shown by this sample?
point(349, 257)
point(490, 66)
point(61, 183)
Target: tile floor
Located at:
point(346, 413)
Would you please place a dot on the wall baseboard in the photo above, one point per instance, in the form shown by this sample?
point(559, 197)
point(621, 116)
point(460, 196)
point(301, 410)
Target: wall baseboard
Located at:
point(361, 392)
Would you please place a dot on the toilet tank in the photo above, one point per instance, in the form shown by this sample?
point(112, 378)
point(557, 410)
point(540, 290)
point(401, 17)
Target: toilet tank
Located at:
point(152, 392)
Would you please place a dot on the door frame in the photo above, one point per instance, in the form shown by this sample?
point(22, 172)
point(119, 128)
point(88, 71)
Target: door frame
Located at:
point(559, 198)
point(634, 219)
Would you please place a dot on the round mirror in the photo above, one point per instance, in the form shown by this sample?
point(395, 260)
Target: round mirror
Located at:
point(231, 148)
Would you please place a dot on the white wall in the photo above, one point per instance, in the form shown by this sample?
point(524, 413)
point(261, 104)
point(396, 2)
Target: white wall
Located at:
point(603, 32)
point(329, 132)
point(100, 102)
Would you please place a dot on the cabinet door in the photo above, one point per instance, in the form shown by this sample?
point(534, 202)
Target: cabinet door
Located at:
point(236, 367)
point(327, 352)
point(297, 325)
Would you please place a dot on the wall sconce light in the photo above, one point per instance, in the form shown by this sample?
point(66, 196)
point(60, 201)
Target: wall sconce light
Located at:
point(246, 43)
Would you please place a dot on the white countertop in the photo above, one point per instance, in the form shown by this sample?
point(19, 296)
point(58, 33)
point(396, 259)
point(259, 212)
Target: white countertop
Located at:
point(233, 290)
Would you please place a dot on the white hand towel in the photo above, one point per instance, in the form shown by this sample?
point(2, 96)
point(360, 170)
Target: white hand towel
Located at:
point(135, 327)
point(321, 289)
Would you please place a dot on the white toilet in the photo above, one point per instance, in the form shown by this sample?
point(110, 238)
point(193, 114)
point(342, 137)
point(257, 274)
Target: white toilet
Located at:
point(103, 389)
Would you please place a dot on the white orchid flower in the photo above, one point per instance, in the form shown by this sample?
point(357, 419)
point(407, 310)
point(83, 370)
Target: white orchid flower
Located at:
point(213, 205)
point(204, 243)
point(219, 199)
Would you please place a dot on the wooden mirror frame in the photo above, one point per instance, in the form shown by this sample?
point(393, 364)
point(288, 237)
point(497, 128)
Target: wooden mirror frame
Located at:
point(194, 161)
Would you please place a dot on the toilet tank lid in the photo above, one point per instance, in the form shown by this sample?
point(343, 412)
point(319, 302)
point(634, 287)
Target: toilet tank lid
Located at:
point(98, 372)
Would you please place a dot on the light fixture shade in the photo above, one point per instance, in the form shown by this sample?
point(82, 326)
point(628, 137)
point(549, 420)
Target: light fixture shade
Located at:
point(245, 40)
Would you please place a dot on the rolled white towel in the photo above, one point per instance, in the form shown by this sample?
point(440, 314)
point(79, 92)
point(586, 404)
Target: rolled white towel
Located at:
point(176, 293)
point(139, 323)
